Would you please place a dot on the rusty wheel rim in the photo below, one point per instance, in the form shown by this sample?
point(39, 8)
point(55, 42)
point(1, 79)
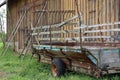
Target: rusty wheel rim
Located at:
point(54, 70)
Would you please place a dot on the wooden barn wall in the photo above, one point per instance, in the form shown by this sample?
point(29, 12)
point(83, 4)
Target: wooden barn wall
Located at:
point(99, 12)
point(93, 12)
point(12, 20)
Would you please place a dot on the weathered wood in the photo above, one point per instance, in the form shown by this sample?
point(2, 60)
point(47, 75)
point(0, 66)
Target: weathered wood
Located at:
point(96, 14)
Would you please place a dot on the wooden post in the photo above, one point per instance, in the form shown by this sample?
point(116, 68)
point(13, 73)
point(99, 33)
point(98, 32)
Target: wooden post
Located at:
point(76, 2)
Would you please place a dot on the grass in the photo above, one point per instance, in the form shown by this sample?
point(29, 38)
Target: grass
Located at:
point(13, 68)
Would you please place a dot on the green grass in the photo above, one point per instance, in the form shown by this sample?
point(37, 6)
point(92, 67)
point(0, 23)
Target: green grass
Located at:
point(13, 68)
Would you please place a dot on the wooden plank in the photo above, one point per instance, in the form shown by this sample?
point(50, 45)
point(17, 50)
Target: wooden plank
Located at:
point(105, 16)
point(76, 38)
point(112, 14)
point(94, 31)
point(108, 14)
point(96, 15)
point(84, 12)
point(87, 15)
point(77, 47)
point(108, 30)
point(100, 25)
point(90, 15)
point(117, 2)
point(53, 32)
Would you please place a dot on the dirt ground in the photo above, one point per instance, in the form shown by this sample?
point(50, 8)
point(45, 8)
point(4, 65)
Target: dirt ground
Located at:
point(2, 74)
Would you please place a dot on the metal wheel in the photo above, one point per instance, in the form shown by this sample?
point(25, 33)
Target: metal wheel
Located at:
point(54, 70)
point(57, 67)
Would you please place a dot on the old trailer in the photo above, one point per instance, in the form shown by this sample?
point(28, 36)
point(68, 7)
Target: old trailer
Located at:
point(95, 61)
point(78, 35)
point(87, 49)
point(80, 60)
point(75, 53)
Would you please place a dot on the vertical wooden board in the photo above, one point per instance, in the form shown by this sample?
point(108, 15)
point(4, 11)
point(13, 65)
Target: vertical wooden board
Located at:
point(87, 15)
point(79, 4)
point(71, 4)
point(18, 14)
point(112, 15)
point(93, 11)
point(69, 26)
point(72, 14)
point(67, 15)
point(101, 19)
point(97, 11)
point(62, 4)
point(56, 19)
point(62, 18)
point(50, 8)
point(117, 12)
point(73, 8)
point(18, 7)
point(15, 20)
point(65, 35)
point(80, 7)
point(84, 12)
point(21, 43)
point(107, 14)
point(101, 8)
point(96, 16)
point(24, 24)
point(100, 11)
point(8, 21)
point(31, 14)
point(61, 8)
point(81, 10)
point(57, 8)
point(118, 15)
point(103, 15)
point(90, 9)
point(93, 15)
point(61, 34)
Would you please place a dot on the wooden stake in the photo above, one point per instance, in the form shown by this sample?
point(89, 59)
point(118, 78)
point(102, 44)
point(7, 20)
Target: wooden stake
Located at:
point(76, 2)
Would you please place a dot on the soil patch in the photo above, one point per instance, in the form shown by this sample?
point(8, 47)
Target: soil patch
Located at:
point(2, 74)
